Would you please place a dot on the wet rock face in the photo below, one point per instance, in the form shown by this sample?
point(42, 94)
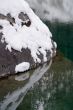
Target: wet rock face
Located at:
point(8, 60)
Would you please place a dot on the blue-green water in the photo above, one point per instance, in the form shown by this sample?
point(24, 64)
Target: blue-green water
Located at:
point(49, 87)
point(63, 35)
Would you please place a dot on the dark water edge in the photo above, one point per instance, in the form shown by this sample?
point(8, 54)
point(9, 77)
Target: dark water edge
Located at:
point(63, 35)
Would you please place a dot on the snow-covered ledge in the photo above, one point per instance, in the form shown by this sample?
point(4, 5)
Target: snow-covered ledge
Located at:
point(25, 41)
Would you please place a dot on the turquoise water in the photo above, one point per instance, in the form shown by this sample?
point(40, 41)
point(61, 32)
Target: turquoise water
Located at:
point(49, 87)
point(63, 35)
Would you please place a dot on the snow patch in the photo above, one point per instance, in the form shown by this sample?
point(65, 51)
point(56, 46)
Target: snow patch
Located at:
point(22, 67)
point(19, 37)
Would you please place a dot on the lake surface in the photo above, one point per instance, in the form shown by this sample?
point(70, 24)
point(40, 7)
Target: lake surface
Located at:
point(63, 35)
point(54, 91)
point(49, 87)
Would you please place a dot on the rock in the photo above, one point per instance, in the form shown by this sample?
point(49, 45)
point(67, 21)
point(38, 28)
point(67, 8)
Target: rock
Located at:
point(23, 38)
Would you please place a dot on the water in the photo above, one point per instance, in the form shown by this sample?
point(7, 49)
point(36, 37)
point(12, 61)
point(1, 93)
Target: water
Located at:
point(13, 91)
point(49, 87)
point(40, 89)
point(63, 35)
point(55, 89)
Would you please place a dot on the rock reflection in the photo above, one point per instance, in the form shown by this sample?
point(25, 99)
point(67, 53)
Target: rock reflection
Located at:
point(12, 100)
point(54, 90)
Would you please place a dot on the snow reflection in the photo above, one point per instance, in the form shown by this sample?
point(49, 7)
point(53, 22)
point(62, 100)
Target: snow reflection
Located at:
point(12, 100)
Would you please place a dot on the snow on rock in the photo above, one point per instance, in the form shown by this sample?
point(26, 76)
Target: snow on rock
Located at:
point(22, 67)
point(23, 37)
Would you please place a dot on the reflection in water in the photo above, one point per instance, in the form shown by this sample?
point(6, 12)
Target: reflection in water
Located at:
point(12, 100)
point(47, 89)
point(54, 91)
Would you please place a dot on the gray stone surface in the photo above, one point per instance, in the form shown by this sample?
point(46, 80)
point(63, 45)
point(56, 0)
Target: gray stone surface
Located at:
point(8, 60)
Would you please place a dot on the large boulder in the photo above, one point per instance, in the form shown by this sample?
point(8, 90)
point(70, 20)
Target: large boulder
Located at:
point(25, 41)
